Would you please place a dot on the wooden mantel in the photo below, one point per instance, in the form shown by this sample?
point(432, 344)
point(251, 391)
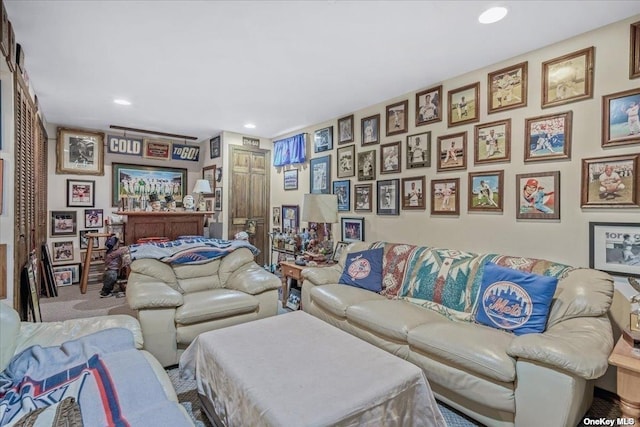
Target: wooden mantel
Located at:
point(163, 224)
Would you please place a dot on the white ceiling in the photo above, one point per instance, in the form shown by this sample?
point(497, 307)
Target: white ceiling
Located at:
point(200, 67)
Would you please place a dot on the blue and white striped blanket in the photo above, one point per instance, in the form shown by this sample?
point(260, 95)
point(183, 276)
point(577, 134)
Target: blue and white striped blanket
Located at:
point(192, 250)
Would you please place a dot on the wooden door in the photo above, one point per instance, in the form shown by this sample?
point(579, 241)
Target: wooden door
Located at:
point(249, 196)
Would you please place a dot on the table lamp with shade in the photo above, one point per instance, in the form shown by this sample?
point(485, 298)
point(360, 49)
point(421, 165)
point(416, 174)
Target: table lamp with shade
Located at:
point(202, 186)
point(322, 210)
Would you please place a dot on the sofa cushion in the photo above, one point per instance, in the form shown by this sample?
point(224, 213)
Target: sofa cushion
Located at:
point(473, 347)
point(514, 300)
point(198, 277)
point(337, 298)
point(390, 319)
point(158, 270)
point(394, 262)
point(363, 270)
point(214, 304)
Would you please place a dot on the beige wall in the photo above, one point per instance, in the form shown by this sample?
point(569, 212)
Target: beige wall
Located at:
point(564, 240)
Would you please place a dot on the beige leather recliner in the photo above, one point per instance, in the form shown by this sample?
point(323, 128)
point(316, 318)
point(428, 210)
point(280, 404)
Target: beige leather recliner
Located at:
point(177, 303)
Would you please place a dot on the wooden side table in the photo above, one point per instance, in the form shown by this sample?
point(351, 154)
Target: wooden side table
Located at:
point(628, 365)
point(293, 271)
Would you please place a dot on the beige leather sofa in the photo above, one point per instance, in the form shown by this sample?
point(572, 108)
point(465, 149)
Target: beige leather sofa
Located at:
point(16, 336)
point(493, 376)
point(177, 303)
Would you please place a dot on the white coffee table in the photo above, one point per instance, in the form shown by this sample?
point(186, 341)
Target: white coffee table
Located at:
point(295, 370)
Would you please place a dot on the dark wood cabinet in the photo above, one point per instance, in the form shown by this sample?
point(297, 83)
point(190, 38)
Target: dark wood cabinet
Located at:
point(163, 224)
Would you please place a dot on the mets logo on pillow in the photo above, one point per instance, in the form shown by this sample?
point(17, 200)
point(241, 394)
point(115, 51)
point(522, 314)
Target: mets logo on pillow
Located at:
point(507, 304)
point(359, 268)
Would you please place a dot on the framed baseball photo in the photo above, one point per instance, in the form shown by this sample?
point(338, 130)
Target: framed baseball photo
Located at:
point(84, 240)
point(397, 118)
point(538, 195)
point(548, 137)
point(614, 247)
point(63, 251)
point(63, 223)
point(445, 196)
point(388, 197)
point(621, 118)
point(507, 88)
point(634, 51)
point(486, 191)
point(363, 197)
point(367, 165)
point(346, 161)
point(352, 229)
point(568, 78)
point(492, 142)
point(413, 193)
point(452, 152)
point(93, 218)
point(276, 216)
point(320, 180)
point(79, 152)
point(80, 193)
point(342, 189)
point(428, 106)
point(390, 157)
point(418, 150)
point(464, 105)
point(610, 182)
point(370, 128)
point(323, 139)
point(345, 130)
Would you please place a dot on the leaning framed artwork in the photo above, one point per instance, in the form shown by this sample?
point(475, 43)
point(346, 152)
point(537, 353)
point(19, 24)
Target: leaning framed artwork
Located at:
point(80, 193)
point(397, 117)
point(445, 196)
point(388, 197)
point(492, 142)
point(79, 152)
point(413, 193)
point(452, 152)
point(507, 88)
point(320, 180)
point(548, 137)
point(346, 161)
point(345, 130)
point(323, 139)
point(538, 195)
point(610, 182)
point(63, 223)
point(370, 129)
point(621, 118)
point(342, 189)
point(486, 190)
point(614, 247)
point(464, 105)
point(72, 274)
point(135, 181)
point(429, 106)
point(363, 196)
point(352, 229)
point(568, 78)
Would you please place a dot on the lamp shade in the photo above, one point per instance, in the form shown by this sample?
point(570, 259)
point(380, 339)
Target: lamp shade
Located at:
point(202, 186)
point(322, 208)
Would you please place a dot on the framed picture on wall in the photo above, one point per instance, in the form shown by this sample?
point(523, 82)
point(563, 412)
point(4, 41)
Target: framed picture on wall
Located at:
point(397, 118)
point(79, 152)
point(492, 142)
point(548, 137)
point(63, 251)
point(464, 105)
point(568, 78)
point(291, 179)
point(84, 240)
point(452, 152)
point(538, 195)
point(445, 196)
point(390, 157)
point(346, 161)
point(486, 190)
point(367, 165)
point(620, 118)
point(429, 106)
point(342, 189)
point(80, 193)
point(156, 149)
point(614, 247)
point(370, 128)
point(345, 130)
point(214, 147)
point(276, 216)
point(388, 197)
point(413, 193)
point(320, 179)
point(363, 197)
point(634, 51)
point(63, 223)
point(323, 139)
point(352, 229)
point(610, 182)
point(93, 218)
point(217, 199)
point(209, 173)
point(507, 88)
point(290, 217)
point(134, 181)
point(418, 150)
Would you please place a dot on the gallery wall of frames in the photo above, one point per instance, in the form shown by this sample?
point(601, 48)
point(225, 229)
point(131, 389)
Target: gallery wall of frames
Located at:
point(515, 158)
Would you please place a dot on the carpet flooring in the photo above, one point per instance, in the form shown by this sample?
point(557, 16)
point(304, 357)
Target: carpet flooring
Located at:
point(71, 304)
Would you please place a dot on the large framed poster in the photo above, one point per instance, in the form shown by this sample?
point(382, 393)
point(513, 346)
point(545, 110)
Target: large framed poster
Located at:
point(137, 181)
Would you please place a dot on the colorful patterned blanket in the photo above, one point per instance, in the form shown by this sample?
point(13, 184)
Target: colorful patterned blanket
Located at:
point(193, 250)
point(447, 280)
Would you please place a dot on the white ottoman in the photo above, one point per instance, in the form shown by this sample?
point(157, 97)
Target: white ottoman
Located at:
point(295, 370)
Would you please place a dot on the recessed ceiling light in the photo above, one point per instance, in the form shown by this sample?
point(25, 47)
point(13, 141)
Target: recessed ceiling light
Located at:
point(121, 102)
point(492, 15)
point(250, 126)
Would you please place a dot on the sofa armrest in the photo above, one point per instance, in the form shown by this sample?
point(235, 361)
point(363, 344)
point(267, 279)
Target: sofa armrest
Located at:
point(47, 334)
point(580, 346)
point(152, 295)
point(322, 275)
point(252, 279)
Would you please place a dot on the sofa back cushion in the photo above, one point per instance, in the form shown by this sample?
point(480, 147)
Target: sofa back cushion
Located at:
point(157, 270)
point(9, 330)
point(394, 263)
point(198, 277)
point(232, 262)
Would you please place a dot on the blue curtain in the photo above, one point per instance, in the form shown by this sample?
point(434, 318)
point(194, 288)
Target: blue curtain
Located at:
point(290, 150)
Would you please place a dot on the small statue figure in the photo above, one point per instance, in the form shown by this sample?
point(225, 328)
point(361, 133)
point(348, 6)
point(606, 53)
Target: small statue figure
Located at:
point(188, 202)
point(156, 205)
point(171, 203)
